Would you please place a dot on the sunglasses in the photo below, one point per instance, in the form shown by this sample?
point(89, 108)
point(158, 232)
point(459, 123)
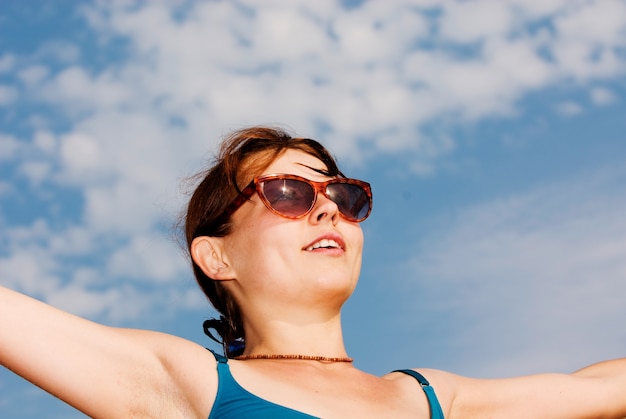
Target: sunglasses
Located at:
point(293, 197)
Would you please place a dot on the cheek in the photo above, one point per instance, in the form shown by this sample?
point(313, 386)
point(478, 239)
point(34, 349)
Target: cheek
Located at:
point(241, 246)
point(254, 243)
point(356, 237)
point(357, 240)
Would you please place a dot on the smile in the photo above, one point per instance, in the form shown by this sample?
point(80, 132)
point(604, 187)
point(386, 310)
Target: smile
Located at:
point(324, 243)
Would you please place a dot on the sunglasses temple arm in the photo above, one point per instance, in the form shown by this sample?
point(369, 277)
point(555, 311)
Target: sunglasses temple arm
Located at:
point(239, 200)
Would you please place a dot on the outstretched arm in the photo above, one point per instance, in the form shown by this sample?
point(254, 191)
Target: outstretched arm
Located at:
point(597, 391)
point(102, 371)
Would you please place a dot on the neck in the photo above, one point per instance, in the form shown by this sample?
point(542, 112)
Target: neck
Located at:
point(313, 337)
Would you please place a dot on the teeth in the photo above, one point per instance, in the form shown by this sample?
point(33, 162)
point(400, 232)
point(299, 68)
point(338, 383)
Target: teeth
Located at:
point(324, 243)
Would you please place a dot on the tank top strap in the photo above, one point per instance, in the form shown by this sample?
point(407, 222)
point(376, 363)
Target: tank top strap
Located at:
point(435, 408)
point(219, 358)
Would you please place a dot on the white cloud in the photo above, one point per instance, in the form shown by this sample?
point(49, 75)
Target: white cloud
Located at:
point(80, 154)
point(33, 75)
point(285, 62)
point(530, 276)
point(45, 141)
point(79, 91)
point(58, 50)
point(468, 22)
point(119, 209)
point(74, 240)
point(7, 61)
point(36, 171)
point(8, 94)
point(49, 264)
point(588, 39)
point(5, 188)
point(599, 22)
point(601, 96)
point(28, 265)
point(150, 258)
point(9, 146)
point(569, 108)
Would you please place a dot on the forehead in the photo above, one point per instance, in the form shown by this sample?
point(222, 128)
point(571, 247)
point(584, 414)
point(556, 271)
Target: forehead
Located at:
point(296, 162)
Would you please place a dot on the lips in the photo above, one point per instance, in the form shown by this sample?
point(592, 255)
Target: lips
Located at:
point(331, 241)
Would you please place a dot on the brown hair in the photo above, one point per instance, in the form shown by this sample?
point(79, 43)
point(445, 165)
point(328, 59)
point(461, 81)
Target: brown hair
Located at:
point(243, 155)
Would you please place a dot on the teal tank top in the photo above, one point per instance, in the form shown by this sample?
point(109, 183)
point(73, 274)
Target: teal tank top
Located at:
point(234, 402)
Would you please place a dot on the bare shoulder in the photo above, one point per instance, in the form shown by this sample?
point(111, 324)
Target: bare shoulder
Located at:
point(444, 384)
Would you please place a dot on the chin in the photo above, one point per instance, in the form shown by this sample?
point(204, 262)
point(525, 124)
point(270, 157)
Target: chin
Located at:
point(341, 287)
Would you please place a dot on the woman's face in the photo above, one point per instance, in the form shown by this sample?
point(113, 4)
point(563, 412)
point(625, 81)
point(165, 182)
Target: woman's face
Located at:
point(276, 259)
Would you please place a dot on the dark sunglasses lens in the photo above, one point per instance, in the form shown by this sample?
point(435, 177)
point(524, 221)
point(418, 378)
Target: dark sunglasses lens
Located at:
point(289, 197)
point(352, 200)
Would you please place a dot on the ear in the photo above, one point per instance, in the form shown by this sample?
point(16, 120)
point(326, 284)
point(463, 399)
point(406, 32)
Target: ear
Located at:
point(207, 252)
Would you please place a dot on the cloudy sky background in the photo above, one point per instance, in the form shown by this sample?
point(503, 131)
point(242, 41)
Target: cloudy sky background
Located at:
point(493, 134)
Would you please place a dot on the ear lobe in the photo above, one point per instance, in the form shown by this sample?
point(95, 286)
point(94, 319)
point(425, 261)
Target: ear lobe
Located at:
point(207, 253)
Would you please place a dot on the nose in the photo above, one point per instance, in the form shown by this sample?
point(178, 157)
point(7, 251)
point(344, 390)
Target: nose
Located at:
point(324, 209)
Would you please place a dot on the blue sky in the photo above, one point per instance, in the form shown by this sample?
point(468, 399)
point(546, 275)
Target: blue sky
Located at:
point(492, 132)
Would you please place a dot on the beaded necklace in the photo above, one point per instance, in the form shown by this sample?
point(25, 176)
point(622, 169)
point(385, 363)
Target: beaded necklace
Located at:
point(298, 357)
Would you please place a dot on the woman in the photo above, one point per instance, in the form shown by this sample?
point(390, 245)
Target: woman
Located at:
point(274, 237)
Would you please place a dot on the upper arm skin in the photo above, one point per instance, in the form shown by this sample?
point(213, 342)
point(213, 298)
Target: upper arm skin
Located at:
point(104, 371)
point(598, 391)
